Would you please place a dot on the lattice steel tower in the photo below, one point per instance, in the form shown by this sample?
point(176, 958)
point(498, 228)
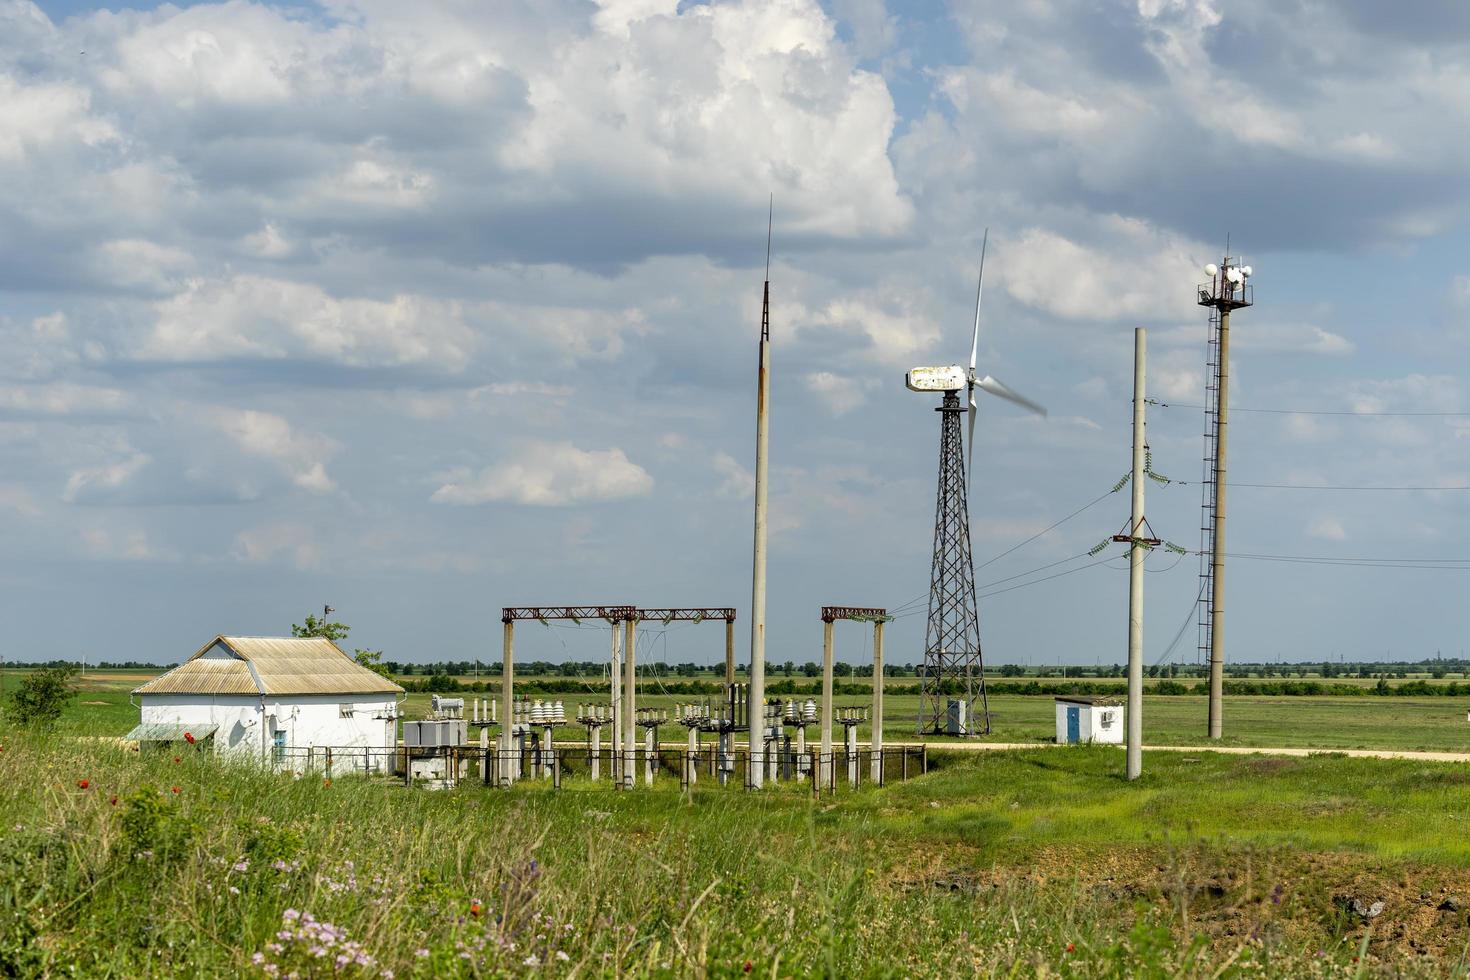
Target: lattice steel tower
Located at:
point(953, 665)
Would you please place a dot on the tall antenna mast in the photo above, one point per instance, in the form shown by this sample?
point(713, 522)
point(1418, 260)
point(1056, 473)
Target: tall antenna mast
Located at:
point(1228, 289)
point(758, 565)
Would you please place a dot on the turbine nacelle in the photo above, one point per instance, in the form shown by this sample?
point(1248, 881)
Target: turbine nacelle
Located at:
point(950, 378)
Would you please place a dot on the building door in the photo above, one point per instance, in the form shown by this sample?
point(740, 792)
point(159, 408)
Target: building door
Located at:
point(1074, 724)
point(278, 746)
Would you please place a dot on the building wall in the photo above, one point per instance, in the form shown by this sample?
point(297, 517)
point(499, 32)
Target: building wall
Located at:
point(1090, 723)
point(248, 725)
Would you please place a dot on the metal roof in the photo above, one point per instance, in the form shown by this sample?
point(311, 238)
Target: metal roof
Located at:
point(270, 665)
point(169, 732)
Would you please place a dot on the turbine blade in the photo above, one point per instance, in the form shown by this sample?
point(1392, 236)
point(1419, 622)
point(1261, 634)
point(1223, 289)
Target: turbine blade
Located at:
point(979, 292)
point(971, 473)
point(1001, 391)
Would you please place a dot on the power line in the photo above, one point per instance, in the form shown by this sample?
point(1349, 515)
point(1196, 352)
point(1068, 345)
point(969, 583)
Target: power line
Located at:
point(1298, 411)
point(1058, 524)
point(1328, 486)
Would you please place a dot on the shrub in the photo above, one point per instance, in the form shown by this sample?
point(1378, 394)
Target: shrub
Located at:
point(42, 696)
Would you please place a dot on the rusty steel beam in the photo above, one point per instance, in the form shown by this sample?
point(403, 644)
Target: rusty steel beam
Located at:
point(613, 614)
point(866, 614)
point(686, 615)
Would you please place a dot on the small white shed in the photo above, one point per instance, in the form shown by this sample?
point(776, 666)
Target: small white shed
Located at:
point(259, 697)
point(1089, 719)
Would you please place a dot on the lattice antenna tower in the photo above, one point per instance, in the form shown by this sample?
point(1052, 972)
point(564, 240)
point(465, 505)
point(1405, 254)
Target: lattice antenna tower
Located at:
point(952, 655)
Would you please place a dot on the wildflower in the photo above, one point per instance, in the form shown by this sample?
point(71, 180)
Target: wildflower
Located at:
point(242, 865)
point(290, 915)
point(532, 960)
point(387, 975)
point(234, 890)
point(112, 799)
point(175, 789)
point(326, 782)
point(1071, 947)
point(178, 759)
point(748, 966)
point(475, 909)
point(562, 956)
point(83, 784)
point(189, 737)
point(258, 959)
point(421, 953)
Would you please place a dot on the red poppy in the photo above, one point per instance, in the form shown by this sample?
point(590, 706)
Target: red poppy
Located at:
point(83, 784)
point(189, 737)
point(177, 759)
point(748, 966)
point(475, 909)
point(326, 782)
point(112, 800)
point(1071, 947)
point(176, 789)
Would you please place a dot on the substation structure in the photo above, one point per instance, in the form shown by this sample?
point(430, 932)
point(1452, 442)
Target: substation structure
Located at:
point(439, 751)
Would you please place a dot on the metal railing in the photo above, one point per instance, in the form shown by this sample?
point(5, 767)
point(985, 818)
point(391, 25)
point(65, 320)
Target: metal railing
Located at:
point(445, 766)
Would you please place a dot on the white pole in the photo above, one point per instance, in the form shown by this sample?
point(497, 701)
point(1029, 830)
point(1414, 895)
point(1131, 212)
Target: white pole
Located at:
point(756, 703)
point(507, 706)
point(596, 761)
point(826, 755)
point(1136, 554)
point(616, 759)
point(630, 681)
point(876, 740)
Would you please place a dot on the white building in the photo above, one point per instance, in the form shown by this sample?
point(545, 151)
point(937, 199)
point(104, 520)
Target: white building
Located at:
point(268, 698)
point(1087, 719)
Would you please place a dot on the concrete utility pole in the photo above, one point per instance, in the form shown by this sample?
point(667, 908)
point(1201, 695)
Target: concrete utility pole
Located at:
point(507, 704)
point(630, 683)
point(617, 703)
point(827, 710)
point(1227, 290)
point(876, 740)
point(1136, 554)
point(756, 713)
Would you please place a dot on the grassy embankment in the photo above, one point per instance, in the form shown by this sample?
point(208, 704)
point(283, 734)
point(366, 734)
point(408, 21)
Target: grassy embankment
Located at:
point(1029, 863)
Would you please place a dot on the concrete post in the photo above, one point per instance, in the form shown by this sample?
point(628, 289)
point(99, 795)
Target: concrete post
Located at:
point(692, 758)
point(630, 707)
point(616, 759)
point(876, 739)
point(758, 569)
point(1217, 595)
point(507, 706)
point(826, 702)
point(849, 736)
point(729, 651)
point(594, 764)
point(650, 746)
point(1136, 554)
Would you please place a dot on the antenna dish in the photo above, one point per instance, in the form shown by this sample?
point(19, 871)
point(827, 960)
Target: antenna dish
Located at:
point(1212, 270)
point(1234, 275)
point(1246, 271)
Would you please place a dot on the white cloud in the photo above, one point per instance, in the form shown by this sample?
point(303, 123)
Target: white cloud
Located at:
point(839, 393)
point(288, 541)
point(257, 317)
point(549, 474)
point(128, 545)
point(63, 398)
point(735, 480)
point(84, 483)
point(1327, 528)
point(301, 455)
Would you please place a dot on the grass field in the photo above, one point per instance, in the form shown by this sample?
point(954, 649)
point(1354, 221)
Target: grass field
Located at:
point(1427, 723)
point(1041, 863)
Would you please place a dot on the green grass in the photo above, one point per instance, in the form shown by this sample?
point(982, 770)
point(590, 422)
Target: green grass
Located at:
point(993, 865)
point(1407, 723)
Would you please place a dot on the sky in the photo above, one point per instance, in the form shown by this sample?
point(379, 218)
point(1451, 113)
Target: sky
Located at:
point(421, 310)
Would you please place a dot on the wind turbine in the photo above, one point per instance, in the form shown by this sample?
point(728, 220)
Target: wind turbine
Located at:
point(952, 646)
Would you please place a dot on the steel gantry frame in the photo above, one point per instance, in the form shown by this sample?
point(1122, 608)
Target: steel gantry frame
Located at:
point(623, 687)
point(509, 615)
point(860, 614)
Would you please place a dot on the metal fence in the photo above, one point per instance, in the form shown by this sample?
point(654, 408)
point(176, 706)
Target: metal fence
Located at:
point(707, 766)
